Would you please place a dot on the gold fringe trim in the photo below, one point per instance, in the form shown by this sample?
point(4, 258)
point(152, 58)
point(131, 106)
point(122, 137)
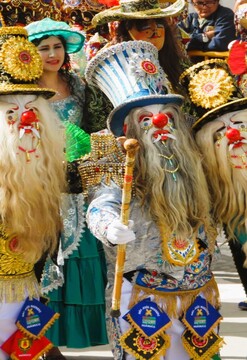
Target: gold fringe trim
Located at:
point(208, 354)
point(42, 332)
point(168, 301)
point(157, 355)
point(158, 332)
point(18, 288)
point(14, 30)
point(37, 356)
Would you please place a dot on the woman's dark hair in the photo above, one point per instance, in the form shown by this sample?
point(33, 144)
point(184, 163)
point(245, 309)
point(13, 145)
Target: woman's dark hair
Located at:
point(65, 68)
point(170, 55)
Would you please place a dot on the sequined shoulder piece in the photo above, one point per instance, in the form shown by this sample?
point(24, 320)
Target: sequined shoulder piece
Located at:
point(104, 164)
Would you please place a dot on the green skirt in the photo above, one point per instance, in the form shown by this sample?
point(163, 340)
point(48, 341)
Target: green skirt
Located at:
point(81, 299)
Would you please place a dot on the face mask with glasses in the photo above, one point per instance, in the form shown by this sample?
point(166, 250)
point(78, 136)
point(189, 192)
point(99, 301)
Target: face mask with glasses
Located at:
point(204, 3)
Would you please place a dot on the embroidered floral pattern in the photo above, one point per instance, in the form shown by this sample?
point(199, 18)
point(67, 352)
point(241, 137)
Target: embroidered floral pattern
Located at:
point(211, 88)
point(143, 65)
point(146, 67)
point(149, 67)
point(20, 59)
point(12, 265)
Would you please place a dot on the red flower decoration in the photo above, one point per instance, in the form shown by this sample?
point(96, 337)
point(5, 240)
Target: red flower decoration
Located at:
point(146, 344)
point(199, 342)
point(148, 67)
point(25, 57)
point(128, 179)
point(13, 244)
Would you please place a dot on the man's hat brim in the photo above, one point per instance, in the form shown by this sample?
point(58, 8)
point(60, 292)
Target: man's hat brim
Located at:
point(7, 89)
point(115, 13)
point(231, 106)
point(116, 118)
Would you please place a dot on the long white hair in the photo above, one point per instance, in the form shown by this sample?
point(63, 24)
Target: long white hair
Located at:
point(30, 191)
point(225, 169)
point(169, 179)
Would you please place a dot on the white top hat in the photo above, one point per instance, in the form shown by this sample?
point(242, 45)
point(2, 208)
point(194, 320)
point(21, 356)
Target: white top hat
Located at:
point(130, 75)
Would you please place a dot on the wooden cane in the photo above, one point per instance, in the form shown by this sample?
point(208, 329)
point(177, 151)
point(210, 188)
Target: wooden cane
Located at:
point(131, 146)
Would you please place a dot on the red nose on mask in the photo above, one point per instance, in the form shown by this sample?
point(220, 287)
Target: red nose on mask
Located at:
point(28, 117)
point(160, 120)
point(234, 136)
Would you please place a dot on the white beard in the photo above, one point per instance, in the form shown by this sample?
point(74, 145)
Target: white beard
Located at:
point(30, 190)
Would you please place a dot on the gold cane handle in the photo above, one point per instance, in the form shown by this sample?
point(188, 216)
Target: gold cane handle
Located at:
point(131, 146)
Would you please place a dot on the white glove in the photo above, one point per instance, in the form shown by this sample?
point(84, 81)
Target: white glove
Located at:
point(118, 233)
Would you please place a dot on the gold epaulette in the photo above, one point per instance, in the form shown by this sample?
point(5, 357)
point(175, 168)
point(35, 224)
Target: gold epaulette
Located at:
point(105, 163)
point(17, 278)
point(12, 263)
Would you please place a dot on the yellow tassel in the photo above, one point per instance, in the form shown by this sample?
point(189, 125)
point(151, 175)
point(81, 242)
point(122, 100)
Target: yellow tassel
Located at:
point(168, 301)
point(137, 354)
point(36, 356)
point(41, 333)
point(208, 354)
point(17, 288)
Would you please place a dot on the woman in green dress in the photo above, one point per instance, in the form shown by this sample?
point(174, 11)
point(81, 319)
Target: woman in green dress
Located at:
point(75, 283)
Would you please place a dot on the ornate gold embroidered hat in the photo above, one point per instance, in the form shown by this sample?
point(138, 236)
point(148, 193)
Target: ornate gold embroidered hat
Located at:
point(20, 63)
point(79, 13)
point(212, 89)
point(23, 12)
point(138, 9)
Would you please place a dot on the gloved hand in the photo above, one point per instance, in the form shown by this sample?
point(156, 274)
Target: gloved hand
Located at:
point(118, 233)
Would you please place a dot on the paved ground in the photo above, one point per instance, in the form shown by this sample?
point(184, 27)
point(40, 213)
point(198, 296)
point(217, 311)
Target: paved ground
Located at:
point(234, 325)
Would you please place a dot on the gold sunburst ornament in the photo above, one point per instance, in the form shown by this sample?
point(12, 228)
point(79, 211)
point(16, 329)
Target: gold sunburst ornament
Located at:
point(211, 88)
point(20, 59)
point(11, 259)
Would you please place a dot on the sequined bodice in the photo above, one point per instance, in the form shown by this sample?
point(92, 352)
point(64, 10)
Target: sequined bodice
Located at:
point(68, 110)
point(71, 108)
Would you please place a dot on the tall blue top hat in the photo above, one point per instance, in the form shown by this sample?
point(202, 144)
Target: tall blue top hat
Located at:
point(130, 75)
